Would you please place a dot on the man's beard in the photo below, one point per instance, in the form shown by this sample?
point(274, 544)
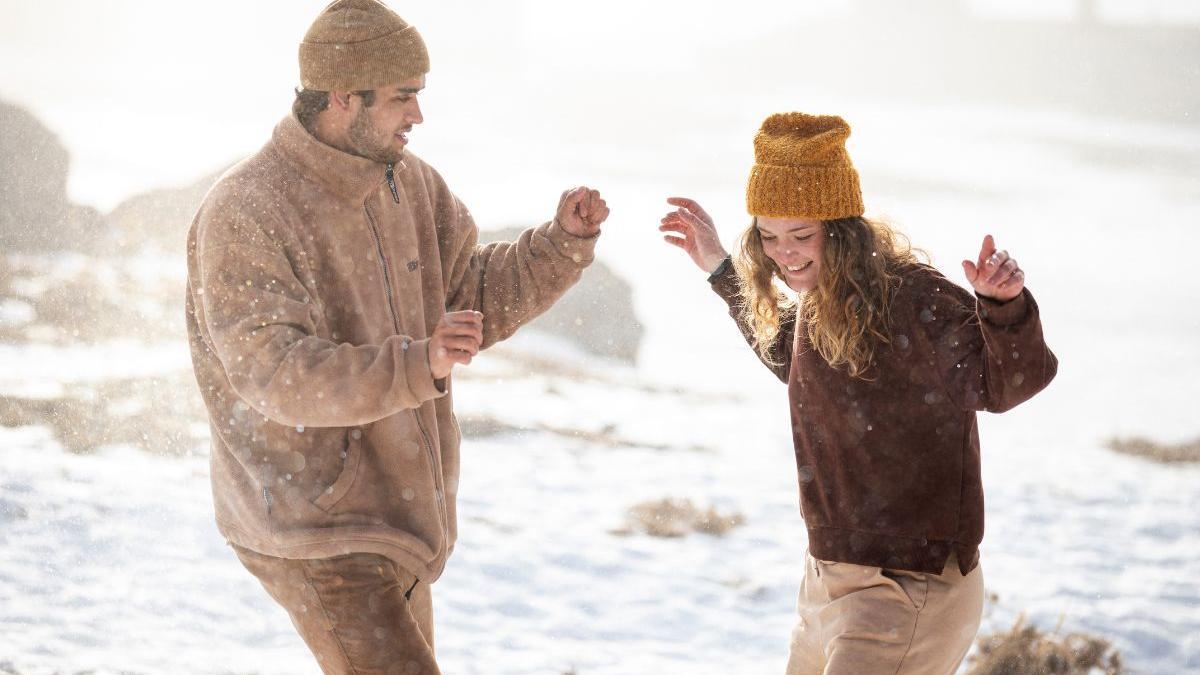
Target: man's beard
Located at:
point(366, 140)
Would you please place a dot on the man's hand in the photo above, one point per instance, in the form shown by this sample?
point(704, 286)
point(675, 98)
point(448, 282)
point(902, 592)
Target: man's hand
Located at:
point(456, 339)
point(581, 211)
point(994, 275)
point(697, 235)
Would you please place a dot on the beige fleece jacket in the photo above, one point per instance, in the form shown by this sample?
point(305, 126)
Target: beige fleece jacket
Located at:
point(314, 280)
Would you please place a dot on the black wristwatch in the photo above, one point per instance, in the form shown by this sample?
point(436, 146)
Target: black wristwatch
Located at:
point(721, 269)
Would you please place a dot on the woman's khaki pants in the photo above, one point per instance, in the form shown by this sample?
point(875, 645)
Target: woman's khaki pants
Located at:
point(857, 620)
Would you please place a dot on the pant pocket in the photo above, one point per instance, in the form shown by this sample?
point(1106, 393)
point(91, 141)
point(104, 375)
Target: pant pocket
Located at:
point(913, 585)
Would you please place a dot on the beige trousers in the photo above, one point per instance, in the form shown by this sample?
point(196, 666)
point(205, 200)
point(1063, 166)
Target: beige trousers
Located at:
point(358, 613)
point(857, 620)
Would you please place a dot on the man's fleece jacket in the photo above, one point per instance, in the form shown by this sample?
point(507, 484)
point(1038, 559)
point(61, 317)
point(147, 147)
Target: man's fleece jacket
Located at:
point(315, 278)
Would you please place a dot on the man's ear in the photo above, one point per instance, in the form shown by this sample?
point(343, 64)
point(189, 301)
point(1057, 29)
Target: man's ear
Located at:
point(340, 100)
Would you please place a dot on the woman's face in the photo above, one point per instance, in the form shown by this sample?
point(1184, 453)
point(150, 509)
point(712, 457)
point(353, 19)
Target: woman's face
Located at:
point(795, 244)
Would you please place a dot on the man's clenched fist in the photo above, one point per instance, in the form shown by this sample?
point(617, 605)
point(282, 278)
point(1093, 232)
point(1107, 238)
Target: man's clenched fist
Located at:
point(456, 339)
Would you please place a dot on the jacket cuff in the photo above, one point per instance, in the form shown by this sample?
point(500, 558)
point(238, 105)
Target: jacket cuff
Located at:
point(1003, 313)
point(417, 372)
point(581, 250)
point(724, 281)
point(721, 270)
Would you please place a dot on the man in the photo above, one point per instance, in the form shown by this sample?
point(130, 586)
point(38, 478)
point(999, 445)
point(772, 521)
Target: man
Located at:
point(334, 282)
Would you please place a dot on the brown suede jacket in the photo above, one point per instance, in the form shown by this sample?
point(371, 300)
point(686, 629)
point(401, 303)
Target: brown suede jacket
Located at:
point(314, 280)
point(889, 466)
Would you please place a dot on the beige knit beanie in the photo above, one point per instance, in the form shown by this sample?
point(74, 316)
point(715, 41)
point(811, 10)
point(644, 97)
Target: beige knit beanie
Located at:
point(360, 44)
point(802, 169)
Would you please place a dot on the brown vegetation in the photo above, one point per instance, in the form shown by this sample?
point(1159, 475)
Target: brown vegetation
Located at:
point(1158, 452)
point(163, 415)
point(5, 276)
point(676, 518)
point(1026, 650)
point(90, 310)
point(97, 302)
point(484, 426)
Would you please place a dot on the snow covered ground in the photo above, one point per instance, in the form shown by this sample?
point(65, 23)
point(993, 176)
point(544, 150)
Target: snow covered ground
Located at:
point(110, 562)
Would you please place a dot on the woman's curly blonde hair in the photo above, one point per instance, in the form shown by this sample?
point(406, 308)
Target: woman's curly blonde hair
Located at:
point(846, 315)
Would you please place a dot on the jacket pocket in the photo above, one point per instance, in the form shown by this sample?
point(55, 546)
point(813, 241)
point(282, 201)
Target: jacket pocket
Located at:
point(351, 457)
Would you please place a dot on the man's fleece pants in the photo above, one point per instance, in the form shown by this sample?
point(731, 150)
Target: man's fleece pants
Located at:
point(358, 613)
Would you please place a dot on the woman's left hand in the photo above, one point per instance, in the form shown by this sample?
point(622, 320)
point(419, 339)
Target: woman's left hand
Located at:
point(995, 274)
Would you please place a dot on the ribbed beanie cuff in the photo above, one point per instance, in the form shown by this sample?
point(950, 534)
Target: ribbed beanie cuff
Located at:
point(824, 193)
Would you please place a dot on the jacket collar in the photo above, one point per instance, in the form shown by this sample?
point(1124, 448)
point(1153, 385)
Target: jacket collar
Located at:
point(345, 175)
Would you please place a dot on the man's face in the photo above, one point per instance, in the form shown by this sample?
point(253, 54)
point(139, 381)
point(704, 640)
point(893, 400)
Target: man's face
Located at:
point(380, 131)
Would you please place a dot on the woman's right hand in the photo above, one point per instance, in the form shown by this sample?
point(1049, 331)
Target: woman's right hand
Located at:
point(694, 233)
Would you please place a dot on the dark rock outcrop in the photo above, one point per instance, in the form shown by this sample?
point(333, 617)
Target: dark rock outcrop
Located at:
point(596, 315)
point(160, 218)
point(35, 212)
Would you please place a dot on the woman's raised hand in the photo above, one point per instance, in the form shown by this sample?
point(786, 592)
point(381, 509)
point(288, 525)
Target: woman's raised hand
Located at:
point(994, 275)
point(694, 232)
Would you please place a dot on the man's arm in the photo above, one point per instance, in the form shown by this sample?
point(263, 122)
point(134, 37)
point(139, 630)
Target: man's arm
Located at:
point(511, 283)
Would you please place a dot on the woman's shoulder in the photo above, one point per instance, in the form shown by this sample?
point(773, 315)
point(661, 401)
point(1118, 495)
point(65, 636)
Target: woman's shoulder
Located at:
point(924, 287)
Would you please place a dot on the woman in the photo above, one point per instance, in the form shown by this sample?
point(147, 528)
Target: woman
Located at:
point(886, 363)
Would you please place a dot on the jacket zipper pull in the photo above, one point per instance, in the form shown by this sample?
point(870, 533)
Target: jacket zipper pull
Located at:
point(391, 178)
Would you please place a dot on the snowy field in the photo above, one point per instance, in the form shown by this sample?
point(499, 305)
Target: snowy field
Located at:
point(110, 561)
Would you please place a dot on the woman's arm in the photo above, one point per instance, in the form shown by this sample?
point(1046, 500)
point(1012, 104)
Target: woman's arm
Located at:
point(694, 232)
point(989, 350)
point(690, 228)
point(725, 284)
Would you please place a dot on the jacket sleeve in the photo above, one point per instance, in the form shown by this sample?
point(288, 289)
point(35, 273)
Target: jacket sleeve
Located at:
point(511, 283)
point(725, 284)
point(989, 355)
point(263, 325)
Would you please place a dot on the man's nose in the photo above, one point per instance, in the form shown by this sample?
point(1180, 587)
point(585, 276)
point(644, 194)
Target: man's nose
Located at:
point(415, 116)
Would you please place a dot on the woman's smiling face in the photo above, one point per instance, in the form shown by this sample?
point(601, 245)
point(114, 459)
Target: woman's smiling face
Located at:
point(795, 244)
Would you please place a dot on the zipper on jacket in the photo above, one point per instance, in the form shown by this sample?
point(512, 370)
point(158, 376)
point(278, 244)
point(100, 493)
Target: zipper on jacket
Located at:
point(439, 488)
point(391, 178)
point(434, 464)
point(267, 499)
point(387, 277)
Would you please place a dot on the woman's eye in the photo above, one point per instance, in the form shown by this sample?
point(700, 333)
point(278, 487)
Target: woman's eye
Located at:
point(804, 238)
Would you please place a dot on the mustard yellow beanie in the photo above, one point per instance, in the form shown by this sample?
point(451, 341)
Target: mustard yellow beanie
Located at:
point(801, 169)
point(360, 44)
